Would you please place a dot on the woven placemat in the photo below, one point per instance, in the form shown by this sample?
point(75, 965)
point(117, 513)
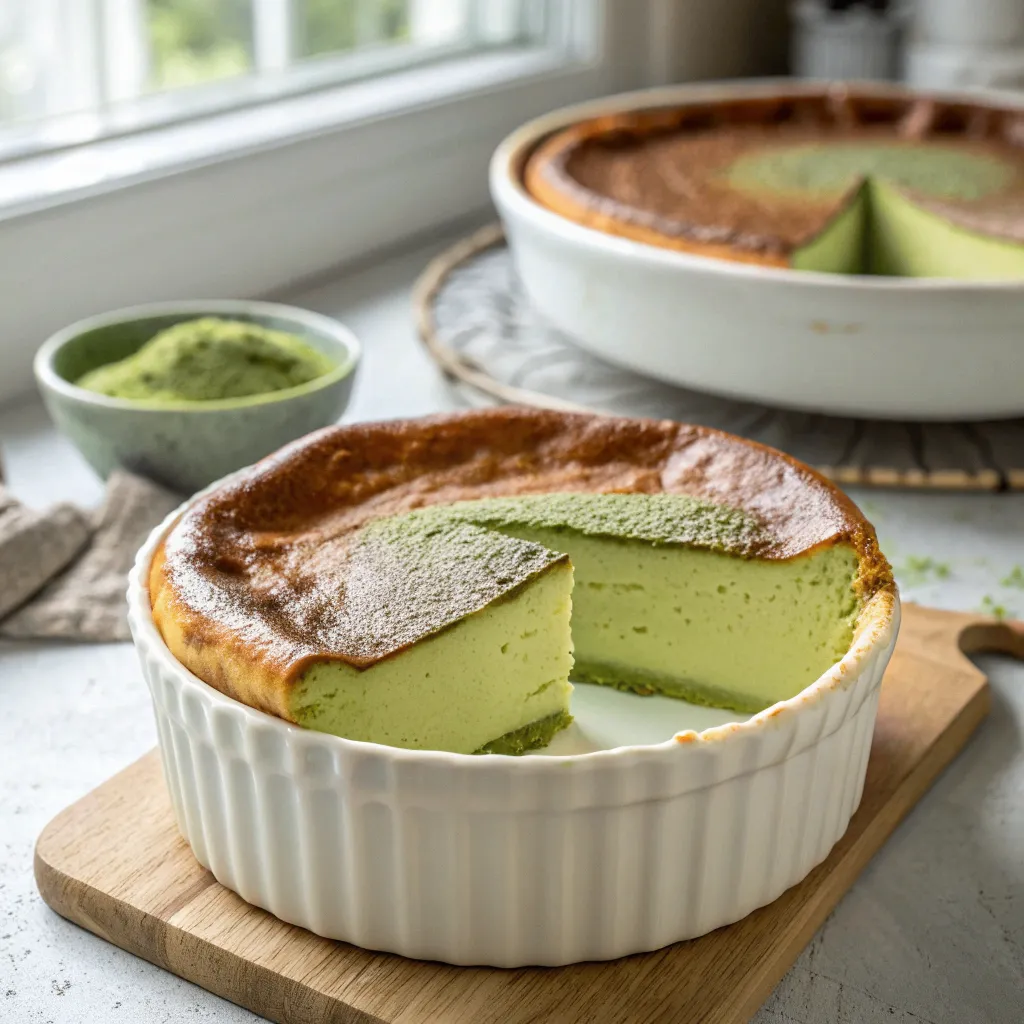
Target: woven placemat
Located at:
point(479, 327)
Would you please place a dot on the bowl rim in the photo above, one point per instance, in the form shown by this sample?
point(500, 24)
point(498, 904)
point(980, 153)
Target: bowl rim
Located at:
point(876, 629)
point(512, 199)
point(323, 326)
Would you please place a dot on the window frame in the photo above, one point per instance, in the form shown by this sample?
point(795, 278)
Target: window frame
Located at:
point(113, 98)
point(251, 201)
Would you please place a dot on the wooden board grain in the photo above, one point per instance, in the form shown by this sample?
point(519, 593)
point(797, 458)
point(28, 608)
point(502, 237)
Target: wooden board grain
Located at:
point(115, 864)
point(479, 327)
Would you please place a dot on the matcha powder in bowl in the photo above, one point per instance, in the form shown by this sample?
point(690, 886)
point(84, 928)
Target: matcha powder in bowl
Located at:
point(209, 359)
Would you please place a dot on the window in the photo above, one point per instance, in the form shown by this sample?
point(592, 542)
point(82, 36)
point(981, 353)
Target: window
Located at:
point(77, 70)
point(165, 149)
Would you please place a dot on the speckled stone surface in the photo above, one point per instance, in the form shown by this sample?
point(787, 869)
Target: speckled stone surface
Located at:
point(932, 933)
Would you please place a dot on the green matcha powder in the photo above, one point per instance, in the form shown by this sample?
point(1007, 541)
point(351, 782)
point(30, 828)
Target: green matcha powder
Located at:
point(209, 360)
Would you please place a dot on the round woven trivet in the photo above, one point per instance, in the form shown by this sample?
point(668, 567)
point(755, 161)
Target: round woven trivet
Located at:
point(479, 327)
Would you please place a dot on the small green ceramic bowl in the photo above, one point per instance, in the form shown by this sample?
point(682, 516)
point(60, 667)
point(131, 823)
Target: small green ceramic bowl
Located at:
point(187, 446)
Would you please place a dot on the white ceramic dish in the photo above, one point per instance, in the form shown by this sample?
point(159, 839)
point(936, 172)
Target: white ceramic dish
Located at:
point(902, 348)
point(509, 861)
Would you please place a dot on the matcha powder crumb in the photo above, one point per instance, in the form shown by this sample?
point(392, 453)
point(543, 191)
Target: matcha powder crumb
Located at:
point(208, 360)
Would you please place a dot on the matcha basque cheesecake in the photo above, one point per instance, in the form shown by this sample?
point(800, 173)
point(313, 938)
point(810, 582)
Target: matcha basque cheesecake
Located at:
point(344, 642)
point(837, 179)
point(435, 584)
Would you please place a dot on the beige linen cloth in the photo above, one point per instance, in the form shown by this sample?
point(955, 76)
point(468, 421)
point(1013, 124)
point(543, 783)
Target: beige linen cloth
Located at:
point(64, 571)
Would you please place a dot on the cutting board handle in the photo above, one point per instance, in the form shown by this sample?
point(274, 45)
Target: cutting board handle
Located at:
point(935, 632)
point(998, 636)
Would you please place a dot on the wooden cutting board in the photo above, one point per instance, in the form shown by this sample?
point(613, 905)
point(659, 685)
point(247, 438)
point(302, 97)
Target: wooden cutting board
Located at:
point(115, 864)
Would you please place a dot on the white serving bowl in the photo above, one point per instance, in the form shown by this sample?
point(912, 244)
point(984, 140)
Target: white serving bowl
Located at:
point(513, 861)
point(905, 348)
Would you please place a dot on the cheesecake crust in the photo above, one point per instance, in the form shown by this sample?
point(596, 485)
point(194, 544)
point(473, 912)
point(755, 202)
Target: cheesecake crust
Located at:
point(268, 573)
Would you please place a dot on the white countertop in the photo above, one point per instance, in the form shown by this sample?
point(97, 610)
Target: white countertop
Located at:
point(932, 933)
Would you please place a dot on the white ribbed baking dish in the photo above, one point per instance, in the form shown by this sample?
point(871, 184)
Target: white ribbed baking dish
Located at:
point(511, 861)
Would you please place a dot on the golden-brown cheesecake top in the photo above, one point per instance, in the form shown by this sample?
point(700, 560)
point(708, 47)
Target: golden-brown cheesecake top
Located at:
point(669, 171)
point(276, 569)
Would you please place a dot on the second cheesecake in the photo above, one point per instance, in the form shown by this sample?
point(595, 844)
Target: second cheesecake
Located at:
point(836, 181)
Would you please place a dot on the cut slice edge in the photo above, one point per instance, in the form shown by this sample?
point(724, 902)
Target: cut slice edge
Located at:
point(703, 626)
point(885, 230)
point(435, 696)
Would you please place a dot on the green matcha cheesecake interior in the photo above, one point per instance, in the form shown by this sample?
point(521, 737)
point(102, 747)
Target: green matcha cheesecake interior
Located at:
point(905, 207)
point(435, 585)
point(670, 597)
point(659, 606)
